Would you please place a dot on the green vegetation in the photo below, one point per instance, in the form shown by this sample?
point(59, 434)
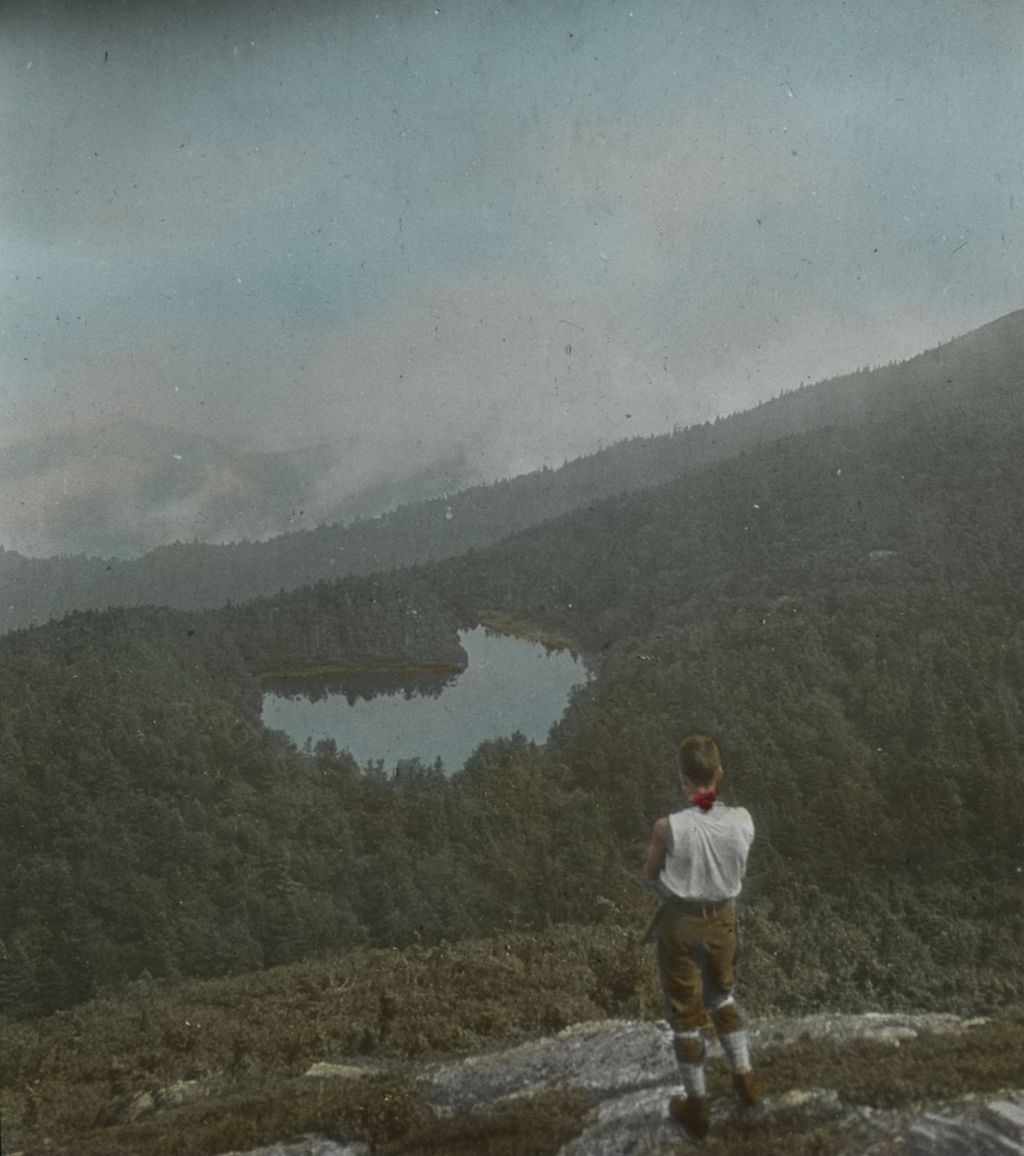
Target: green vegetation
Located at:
point(869, 705)
point(151, 825)
point(71, 1077)
point(499, 623)
point(254, 1035)
point(934, 1067)
point(843, 608)
point(341, 669)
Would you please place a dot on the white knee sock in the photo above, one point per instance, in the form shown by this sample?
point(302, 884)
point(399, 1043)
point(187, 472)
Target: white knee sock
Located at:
point(693, 1079)
point(693, 1073)
point(737, 1047)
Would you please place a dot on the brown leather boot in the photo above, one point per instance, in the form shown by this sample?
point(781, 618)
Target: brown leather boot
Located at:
point(692, 1113)
point(747, 1088)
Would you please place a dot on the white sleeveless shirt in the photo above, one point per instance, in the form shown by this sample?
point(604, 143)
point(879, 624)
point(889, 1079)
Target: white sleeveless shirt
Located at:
point(707, 853)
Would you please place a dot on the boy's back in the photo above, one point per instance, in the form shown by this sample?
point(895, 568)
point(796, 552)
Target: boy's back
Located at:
point(706, 855)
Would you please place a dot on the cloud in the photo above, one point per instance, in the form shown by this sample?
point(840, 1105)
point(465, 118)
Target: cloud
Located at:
point(387, 230)
point(516, 374)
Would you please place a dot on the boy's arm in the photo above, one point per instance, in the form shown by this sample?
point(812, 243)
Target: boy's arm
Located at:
point(657, 848)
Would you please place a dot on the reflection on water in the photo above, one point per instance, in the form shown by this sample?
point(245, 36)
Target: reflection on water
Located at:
point(354, 688)
point(509, 686)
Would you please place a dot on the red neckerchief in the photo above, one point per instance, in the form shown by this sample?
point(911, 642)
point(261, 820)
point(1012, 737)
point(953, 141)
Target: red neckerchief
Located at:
point(705, 798)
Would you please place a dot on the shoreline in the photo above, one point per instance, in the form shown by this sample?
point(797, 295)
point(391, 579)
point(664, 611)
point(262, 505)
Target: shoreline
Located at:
point(355, 670)
point(499, 623)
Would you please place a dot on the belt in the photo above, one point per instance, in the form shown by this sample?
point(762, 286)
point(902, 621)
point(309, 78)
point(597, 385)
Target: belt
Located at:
point(698, 907)
point(702, 907)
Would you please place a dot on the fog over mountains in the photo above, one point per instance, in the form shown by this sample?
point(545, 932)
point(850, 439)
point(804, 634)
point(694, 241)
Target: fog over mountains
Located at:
point(122, 489)
point(129, 487)
point(978, 373)
point(446, 244)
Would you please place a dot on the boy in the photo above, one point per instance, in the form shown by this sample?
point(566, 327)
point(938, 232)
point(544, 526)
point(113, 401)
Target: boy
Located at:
point(696, 859)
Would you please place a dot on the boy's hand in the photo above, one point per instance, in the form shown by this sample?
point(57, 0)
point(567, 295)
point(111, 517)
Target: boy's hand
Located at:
point(657, 848)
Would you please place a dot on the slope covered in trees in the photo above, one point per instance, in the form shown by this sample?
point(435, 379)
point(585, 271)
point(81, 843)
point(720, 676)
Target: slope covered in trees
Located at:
point(978, 372)
point(842, 606)
point(148, 822)
point(844, 609)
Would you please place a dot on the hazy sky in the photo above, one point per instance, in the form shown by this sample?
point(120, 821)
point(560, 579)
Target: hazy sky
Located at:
point(522, 229)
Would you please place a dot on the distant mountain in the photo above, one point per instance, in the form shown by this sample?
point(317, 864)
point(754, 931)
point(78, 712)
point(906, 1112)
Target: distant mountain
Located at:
point(124, 488)
point(979, 374)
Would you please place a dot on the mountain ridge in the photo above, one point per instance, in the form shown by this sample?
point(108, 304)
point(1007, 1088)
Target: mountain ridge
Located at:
point(199, 575)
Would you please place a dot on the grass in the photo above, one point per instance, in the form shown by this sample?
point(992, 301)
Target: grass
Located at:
point(532, 1126)
point(984, 1060)
point(64, 1075)
point(386, 1112)
point(68, 1078)
point(375, 1108)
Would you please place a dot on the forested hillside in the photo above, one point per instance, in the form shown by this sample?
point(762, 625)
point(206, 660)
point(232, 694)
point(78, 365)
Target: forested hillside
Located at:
point(979, 372)
point(842, 607)
point(148, 822)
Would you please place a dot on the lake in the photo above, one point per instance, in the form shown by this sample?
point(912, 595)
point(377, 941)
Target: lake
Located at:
point(509, 685)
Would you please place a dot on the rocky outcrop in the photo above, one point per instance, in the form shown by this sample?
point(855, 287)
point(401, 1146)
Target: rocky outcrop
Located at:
point(883, 1027)
point(628, 1071)
point(307, 1146)
point(967, 1129)
point(638, 1124)
point(603, 1059)
point(615, 1056)
point(153, 1100)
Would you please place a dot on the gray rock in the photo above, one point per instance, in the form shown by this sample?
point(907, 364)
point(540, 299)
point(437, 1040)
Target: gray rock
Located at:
point(968, 1128)
point(935, 1134)
point(616, 1056)
point(1007, 1116)
point(139, 1107)
point(639, 1122)
point(326, 1071)
point(307, 1146)
point(841, 1029)
point(173, 1096)
point(600, 1058)
point(628, 1071)
point(636, 1124)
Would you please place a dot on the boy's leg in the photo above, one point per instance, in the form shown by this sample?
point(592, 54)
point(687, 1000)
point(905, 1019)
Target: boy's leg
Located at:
point(725, 1015)
point(679, 965)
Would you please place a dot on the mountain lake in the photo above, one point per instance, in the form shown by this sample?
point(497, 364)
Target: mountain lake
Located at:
point(509, 685)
